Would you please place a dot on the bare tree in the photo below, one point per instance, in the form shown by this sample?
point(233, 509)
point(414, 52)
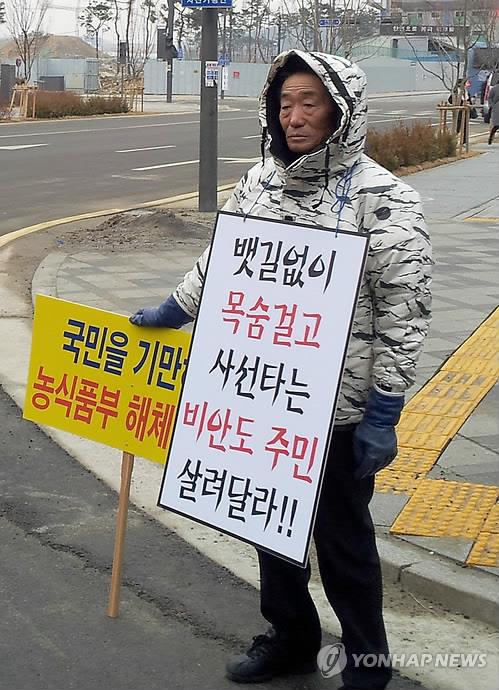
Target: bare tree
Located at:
point(95, 19)
point(140, 35)
point(116, 10)
point(309, 24)
point(474, 20)
point(24, 21)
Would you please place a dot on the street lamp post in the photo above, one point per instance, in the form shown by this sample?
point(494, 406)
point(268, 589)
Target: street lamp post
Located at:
point(169, 43)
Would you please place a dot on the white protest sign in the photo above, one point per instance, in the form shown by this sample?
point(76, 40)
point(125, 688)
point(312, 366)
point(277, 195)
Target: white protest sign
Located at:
point(264, 371)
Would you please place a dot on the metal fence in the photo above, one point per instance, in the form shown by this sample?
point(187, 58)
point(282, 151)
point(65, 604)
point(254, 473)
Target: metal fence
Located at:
point(80, 74)
point(384, 74)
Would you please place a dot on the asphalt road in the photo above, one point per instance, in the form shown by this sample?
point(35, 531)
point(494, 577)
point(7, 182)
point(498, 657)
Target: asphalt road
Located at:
point(181, 615)
point(54, 169)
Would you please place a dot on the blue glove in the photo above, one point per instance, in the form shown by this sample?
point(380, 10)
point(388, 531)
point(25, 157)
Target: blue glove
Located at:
point(168, 315)
point(374, 439)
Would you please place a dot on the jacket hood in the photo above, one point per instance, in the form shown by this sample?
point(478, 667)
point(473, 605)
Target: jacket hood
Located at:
point(346, 84)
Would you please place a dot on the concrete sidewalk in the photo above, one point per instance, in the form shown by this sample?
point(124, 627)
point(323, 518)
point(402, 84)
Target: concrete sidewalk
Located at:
point(442, 502)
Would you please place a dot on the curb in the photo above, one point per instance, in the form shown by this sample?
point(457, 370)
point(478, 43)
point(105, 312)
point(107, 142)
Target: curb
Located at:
point(472, 593)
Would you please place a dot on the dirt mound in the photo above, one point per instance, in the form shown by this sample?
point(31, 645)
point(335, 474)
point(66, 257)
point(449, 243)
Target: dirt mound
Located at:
point(142, 229)
point(52, 46)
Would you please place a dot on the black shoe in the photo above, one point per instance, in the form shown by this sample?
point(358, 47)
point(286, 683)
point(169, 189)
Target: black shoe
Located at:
point(266, 658)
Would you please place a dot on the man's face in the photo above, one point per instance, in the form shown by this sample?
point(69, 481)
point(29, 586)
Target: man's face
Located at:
point(307, 113)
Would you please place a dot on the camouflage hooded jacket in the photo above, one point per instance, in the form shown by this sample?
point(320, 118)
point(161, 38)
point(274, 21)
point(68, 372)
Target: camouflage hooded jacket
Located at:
point(338, 186)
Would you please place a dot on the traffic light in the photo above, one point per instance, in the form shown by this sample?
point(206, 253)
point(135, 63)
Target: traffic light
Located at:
point(165, 49)
point(171, 51)
point(122, 58)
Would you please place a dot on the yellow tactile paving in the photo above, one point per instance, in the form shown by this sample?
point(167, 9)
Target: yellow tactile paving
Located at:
point(473, 364)
point(485, 550)
point(484, 353)
point(414, 460)
point(426, 431)
point(458, 385)
point(492, 522)
point(447, 407)
point(391, 481)
point(440, 508)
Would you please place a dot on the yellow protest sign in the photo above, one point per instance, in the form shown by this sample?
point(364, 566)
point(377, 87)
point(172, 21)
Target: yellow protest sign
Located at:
point(94, 374)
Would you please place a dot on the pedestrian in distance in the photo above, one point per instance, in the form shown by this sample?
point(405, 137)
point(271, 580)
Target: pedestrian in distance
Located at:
point(460, 96)
point(314, 119)
point(494, 112)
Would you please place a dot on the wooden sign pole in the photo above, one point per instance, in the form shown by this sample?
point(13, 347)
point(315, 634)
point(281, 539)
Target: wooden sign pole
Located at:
point(119, 542)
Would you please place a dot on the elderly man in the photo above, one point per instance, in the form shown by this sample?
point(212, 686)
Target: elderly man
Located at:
point(314, 117)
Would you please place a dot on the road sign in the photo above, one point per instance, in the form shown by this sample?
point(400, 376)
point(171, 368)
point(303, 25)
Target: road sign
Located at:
point(18, 62)
point(204, 4)
point(334, 22)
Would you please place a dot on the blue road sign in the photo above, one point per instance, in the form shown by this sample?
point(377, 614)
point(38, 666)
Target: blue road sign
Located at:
point(203, 4)
point(335, 21)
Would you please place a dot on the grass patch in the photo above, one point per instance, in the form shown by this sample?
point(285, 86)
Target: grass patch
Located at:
point(404, 146)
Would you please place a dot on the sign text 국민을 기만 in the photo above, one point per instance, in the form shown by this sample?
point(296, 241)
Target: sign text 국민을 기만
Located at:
point(95, 375)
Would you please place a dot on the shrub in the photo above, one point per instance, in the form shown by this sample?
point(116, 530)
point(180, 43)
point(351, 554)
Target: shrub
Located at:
point(404, 146)
point(52, 104)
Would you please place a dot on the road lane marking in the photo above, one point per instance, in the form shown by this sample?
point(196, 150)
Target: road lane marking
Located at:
point(253, 136)
point(20, 146)
point(240, 160)
point(104, 130)
point(148, 148)
point(165, 165)
point(393, 119)
point(396, 112)
point(173, 165)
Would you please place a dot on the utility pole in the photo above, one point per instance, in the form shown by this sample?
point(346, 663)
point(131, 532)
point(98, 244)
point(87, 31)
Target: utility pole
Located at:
point(169, 43)
point(223, 66)
point(316, 25)
point(230, 34)
point(333, 29)
point(208, 134)
point(279, 32)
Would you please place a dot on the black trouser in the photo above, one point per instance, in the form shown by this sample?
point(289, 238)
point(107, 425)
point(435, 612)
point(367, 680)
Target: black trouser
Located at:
point(349, 568)
point(493, 133)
